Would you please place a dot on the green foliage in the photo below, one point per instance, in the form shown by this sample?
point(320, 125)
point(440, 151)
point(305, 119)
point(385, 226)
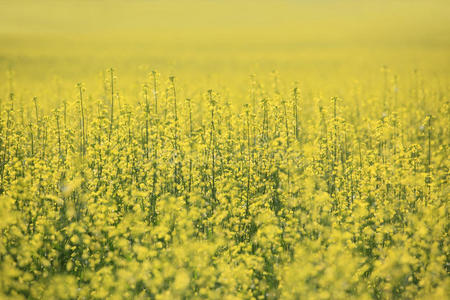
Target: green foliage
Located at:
point(285, 197)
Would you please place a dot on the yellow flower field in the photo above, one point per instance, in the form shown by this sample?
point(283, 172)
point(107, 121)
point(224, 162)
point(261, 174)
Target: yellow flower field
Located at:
point(208, 149)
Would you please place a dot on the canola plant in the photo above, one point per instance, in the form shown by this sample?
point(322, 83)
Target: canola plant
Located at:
point(191, 170)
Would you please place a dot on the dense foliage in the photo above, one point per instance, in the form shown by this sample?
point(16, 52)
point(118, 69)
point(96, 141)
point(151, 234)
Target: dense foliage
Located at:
point(167, 197)
point(327, 179)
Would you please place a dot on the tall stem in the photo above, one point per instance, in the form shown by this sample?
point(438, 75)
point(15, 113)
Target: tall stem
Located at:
point(213, 146)
point(112, 105)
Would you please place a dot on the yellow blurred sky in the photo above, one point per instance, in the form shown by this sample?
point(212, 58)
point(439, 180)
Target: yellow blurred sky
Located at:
point(321, 21)
point(320, 41)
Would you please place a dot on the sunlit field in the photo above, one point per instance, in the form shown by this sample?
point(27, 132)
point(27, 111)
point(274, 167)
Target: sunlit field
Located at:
point(224, 149)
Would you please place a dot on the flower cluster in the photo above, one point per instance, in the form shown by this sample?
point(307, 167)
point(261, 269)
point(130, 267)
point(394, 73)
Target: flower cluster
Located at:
point(163, 196)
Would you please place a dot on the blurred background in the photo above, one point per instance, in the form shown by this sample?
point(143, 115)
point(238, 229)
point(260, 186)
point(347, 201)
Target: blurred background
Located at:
point(322, 44)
